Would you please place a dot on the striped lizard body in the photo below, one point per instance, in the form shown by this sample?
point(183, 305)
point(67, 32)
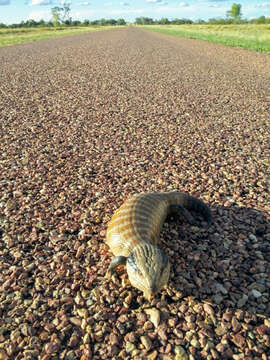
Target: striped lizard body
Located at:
point(133, 236)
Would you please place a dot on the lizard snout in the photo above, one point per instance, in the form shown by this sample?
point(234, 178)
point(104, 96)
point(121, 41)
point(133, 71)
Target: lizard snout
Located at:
point(150, 294)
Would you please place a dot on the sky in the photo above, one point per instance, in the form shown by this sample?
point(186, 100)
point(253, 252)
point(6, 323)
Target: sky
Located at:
point(14, 11)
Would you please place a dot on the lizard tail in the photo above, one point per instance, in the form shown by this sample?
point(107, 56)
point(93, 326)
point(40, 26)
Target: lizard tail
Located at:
point(190, 203)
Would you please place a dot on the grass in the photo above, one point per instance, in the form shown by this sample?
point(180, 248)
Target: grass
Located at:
point(21, 35)
point(247, 36)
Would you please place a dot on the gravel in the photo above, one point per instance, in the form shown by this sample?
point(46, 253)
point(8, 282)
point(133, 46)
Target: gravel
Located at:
point(88, 120)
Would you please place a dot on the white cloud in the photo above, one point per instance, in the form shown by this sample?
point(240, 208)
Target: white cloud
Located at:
point(127, 12)
point(84, 14)
point(40, 14)
point(86, 3)
point(265, 5)
point(214, 5)
point(4, 2)
point(183, 4)
point(158, 2)
point(40, 2)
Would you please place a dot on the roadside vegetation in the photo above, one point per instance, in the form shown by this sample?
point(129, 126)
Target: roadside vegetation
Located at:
point(247, 36)
point(13, 36)
point(233, 30)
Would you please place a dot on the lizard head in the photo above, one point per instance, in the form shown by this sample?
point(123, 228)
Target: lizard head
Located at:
point(148, 269)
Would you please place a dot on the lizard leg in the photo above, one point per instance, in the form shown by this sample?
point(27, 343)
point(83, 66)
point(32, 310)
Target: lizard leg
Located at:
point(116, 261)
point(180, 210)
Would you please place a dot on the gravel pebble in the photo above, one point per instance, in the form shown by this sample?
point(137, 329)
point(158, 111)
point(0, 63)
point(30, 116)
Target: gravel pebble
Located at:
point(147, 343)
point(208, 309)
point(154, 315)
point(256, 293)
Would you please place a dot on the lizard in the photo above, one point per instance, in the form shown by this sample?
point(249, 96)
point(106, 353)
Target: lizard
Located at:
point(133, 236)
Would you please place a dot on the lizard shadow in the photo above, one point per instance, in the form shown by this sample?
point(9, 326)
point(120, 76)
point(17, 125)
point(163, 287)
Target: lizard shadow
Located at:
point(227, 263)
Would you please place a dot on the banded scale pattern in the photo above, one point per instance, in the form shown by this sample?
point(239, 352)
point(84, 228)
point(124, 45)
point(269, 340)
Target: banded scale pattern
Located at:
point(140, 218)
point(133, 236)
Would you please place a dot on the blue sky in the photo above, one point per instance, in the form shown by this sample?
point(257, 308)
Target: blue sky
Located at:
point(14, 11)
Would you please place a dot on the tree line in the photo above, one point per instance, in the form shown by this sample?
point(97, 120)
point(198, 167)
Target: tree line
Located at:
point(213, 21)
point(233, 16)
point(66, 23)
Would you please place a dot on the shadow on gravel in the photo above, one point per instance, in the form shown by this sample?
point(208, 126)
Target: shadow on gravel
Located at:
point(227, 264)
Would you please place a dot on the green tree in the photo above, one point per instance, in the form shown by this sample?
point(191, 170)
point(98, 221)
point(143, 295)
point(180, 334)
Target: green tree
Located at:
point(164, 21)
point(235, 11)
point(41, 23)
point(31, 23)
point(66, 12)
point(56, 11)
point(200, 21)
point(76, 23)
point(102, 22)
point(121, 22)
point(61, 14)
point(68, 22)
point(144, 21)
point(138, 21)
point(111, 22)
point(260, 20)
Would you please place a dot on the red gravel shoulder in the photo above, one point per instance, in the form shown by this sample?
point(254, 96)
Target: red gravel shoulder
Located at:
point(87, 121)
